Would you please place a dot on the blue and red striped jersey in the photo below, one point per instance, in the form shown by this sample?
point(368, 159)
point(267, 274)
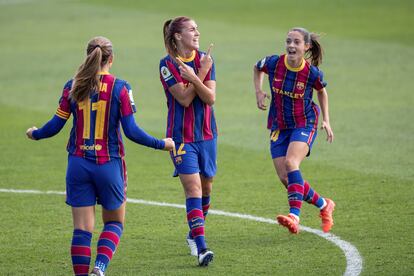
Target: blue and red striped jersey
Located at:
point(292, 90)
point(96, 134)
point(193, 123)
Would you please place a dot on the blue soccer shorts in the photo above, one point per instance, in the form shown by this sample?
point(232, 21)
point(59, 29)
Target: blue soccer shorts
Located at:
point(198, 157)
point(280, 139)
point(88, 183)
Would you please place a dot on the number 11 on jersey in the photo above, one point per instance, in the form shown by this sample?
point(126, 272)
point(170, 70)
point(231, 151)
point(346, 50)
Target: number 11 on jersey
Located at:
point(100, 108)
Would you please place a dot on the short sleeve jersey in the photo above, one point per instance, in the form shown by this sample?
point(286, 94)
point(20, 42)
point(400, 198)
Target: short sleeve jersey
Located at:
point(95, 133)
point(292, 91)
point(197, 121)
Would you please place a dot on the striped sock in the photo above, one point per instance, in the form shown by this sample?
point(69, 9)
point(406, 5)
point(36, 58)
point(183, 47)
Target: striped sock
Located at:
point(107, 244)
point(195, 220)
point(80, 251)
point(295, 192)
point(312, 197)
point(205, 202)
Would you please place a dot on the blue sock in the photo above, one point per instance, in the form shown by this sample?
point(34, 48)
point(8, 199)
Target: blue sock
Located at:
point(311, 196)
point(107, 244)
point(205, 203)
point(195, 219)
point(81, 251)
point(295, 192)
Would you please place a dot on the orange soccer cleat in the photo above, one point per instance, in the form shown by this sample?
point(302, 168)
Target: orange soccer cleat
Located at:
point(290, 222)
point(326, 215)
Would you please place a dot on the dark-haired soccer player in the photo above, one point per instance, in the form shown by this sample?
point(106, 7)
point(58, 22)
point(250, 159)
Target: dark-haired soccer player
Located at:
point(188, 78)
point(96, 172)
point(293, 77)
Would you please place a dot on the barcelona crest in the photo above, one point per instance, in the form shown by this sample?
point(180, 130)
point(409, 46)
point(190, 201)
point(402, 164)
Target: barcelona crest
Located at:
point(178, 160)
point(300, 85)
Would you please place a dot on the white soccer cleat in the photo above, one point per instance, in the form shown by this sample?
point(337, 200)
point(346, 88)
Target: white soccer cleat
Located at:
point(97, 272)
point(205, 257)
point(193, 246)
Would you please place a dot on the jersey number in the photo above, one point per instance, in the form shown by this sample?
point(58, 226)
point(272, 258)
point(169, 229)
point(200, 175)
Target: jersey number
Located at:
point(100, 108)
point(180, 150)
point(274, 135)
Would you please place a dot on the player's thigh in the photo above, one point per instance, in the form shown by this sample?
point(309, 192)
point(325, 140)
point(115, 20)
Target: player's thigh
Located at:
point(84, 218)
point(296, 152)
point(114, 215)
point(306, 135)
point(80, 190)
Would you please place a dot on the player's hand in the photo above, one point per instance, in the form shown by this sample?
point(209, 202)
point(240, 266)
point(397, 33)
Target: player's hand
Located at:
point(206, 61)
point(261, 99)
point(186, 71)
point(29, 132)
point(329, 133)
point(169, 144)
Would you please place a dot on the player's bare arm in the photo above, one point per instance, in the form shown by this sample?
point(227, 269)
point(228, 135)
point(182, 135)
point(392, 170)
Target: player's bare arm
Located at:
point(182, 93)
point(261, 95)
point(206, 91)
point(323, 102)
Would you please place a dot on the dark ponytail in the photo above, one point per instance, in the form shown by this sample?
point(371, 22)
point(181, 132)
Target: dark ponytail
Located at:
point(315, 51)
point(169, 40)
point(86, 80)
point(165, 29)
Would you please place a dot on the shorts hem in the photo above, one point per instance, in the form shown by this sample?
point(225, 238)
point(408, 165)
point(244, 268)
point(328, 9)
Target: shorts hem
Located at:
point(79, 205)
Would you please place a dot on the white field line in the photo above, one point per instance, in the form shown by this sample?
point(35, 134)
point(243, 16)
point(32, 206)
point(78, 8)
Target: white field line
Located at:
point(353, 258)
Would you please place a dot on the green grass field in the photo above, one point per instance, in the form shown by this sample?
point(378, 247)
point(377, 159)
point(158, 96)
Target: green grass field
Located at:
point(368, 170)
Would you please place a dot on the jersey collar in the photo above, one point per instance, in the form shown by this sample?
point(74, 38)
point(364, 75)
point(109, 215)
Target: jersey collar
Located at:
point(294, 69)
point(191, 58)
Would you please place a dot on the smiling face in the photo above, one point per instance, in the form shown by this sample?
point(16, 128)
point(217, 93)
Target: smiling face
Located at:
point(188, 38)
point(295, 47)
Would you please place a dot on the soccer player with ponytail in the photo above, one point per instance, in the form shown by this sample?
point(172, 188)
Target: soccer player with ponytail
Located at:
point(96, 171)
point(188, 79)
point(293, 119)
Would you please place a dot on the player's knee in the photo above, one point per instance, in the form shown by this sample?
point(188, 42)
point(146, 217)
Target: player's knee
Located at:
point(207, 190)
point(207, 187)
point(193, 191)
point(87, 226)
point(291, 164)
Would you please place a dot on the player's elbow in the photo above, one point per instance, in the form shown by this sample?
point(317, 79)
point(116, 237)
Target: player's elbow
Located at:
point(211, 100)
point(128, 134)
